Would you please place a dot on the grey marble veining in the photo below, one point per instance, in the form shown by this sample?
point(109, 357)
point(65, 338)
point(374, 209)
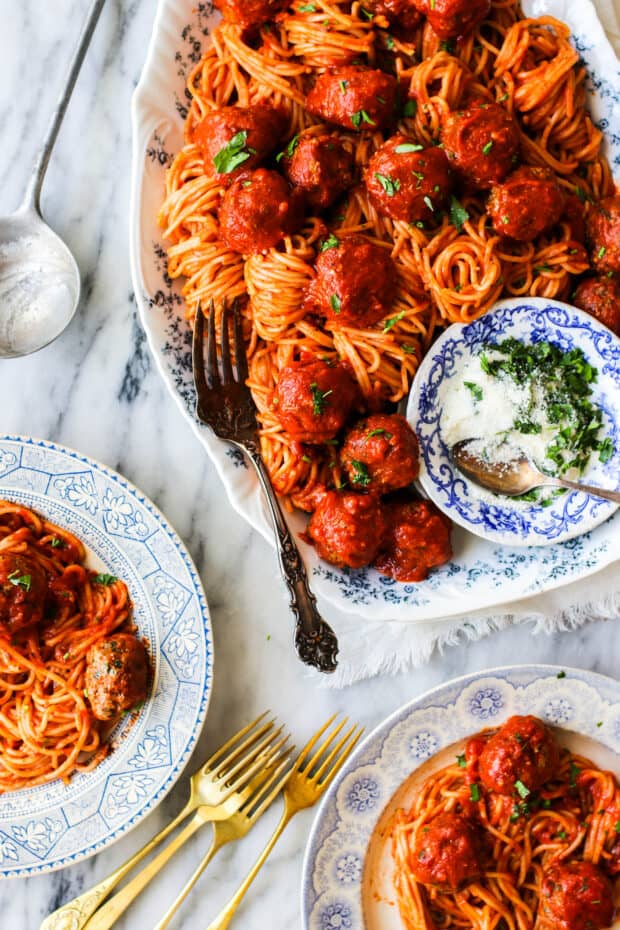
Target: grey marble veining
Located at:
point(97, 390)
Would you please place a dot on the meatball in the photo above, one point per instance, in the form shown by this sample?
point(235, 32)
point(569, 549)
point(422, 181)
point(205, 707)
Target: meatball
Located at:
point(249, 13)
point(603, 234)
point(523, 750)
point(380, 453)
point(346, 528)
point(401, 12)
point(528, 203)
point(116, 675)
point(446, 852)
point(355, 283)
point(600, 297)
point(257, 211)
point(23, 588)
point(236, 139)
point(575, 896)
point(321, 167)
point(354, 98)
point(574, 217)
point(416, 540)
point(408, 182)
point(453, 18)
point(482, 142)
point(313, 400)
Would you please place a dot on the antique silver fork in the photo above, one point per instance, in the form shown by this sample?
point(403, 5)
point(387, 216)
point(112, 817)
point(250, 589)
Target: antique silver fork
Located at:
point(225, 404)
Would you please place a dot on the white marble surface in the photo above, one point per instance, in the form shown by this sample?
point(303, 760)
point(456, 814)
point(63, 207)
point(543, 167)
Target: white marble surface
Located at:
point(96, 390)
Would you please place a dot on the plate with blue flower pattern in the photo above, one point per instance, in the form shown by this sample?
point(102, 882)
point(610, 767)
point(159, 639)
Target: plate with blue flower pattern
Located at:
point(347, 882)
point(498, 518)
point(56, 825)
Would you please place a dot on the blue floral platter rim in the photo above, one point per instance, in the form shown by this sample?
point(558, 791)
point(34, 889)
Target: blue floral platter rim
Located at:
point(52, 826)
point(576, 700)
point(497, 519)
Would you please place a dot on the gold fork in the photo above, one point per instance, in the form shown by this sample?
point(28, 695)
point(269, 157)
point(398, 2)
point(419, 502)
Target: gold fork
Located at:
point(308, 780)
point(217, 790)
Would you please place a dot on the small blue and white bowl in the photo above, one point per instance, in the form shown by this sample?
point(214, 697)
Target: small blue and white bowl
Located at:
point(493, 517)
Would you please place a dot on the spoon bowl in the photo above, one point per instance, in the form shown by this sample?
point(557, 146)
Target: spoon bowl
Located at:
point(39, 284)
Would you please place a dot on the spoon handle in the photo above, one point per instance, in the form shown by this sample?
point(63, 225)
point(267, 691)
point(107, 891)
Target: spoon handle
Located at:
point(33, 191)
point(587, 489)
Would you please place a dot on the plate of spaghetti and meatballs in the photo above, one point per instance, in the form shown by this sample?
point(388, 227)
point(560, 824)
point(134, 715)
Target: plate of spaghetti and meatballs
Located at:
point(490, 802)
point(105, 656)
point(357, 176)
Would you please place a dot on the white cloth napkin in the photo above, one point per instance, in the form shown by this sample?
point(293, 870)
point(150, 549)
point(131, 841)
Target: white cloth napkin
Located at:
point(385, 647)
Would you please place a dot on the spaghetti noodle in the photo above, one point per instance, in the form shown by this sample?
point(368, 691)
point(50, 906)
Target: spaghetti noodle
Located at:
point(53, 613)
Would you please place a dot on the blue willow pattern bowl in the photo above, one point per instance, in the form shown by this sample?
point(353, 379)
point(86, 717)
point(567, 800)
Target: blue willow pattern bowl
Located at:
point(500, 519)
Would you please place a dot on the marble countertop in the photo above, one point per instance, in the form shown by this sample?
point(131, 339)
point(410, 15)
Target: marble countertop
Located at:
point(96, 390)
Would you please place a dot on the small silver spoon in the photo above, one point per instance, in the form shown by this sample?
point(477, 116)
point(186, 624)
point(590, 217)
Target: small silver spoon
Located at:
point(515, 477)
point(39, 277)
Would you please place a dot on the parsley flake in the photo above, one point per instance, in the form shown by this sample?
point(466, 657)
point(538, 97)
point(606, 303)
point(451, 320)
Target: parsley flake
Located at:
point(389, 185)
point(361, 116)
point(405, 147)
point(360, 473)
point(20, 581)
point(319, 399)
point(522, 790)
point(105, 579)
point(475, 389)
point(458, 214)
point(332, 242)
point(392, 321)
point(486, 149)
point(234, 153)
point(335, 303)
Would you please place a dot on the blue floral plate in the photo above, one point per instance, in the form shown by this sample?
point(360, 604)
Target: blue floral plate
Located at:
point(502, 519)
point(348, 874)
point(56, 825)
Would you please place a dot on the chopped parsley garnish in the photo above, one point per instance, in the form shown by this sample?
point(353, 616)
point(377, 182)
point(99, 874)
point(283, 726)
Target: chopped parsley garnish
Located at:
point(561, 675)
point(378, 432)
point(429, 203)
point(235, 153)
point(360, 473)
point(361, 116)
point(601, 252)
point(57, 543)
point(247, 183)
point(605, 449)
point(389, 185)
point(458, 214)
point(486, 149)
point(407, 349)
point(527, 427)
point(574, 772)
point(447, 45)
point(522, 809)
point(20, 581)
point(393, 320)
point(332, 242)
point(410, 108)
point(461, 761)
point(561, 834)
point(474, 792)
point(405, 147)
point(290, 148)
point(343, 86)
point(319, 399)
point(335, 303)
point(367, 14)
point(503, 98)
point(522, 790)
point(307, 8)
point(306, 459)
point(475, 389)
point(388, 41)
point(104, 578)
point(617, 826)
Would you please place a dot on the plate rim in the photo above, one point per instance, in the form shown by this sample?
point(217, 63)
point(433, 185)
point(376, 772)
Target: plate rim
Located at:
point(178, 767)
point(384, 727)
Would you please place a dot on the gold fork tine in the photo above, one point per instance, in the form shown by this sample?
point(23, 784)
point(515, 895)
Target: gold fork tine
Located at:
point(223, 750)
point(250, 752)
point(346, 744)
point(273, 787)
point(323, 748)
point(312, 742)
point(265, 759)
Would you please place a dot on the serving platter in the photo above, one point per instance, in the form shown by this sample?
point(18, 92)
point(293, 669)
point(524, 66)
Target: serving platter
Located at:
point(481, 574)
point(55, 825)
point(346, 879)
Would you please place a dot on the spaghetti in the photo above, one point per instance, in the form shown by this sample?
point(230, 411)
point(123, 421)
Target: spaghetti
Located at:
point(54, 615)
point(452, 270)
point(477, 852)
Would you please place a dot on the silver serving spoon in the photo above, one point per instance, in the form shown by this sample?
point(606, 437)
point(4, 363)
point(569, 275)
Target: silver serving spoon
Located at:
point(515, 477)
point(39, 278)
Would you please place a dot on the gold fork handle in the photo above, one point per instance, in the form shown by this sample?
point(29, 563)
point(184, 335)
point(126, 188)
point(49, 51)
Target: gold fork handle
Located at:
point(217, 842)
point(108, 914)
point(315, 641)
point(74, 914)
point(225, 916)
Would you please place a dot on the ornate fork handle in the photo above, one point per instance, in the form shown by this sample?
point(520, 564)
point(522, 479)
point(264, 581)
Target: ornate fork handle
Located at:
point(315, 641)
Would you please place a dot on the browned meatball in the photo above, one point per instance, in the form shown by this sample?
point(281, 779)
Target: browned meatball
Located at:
point(116, 675)
point(601, 298)
point(529, 202)
point(446, 852)
point(482, 142)
point(416, 540)
point(236, 139)
point(313, 400)
point(23, 589)
point(603, 234)
point(408, 182)
point(401, 12)
point(321, 167)
point(575, 896)
point(380, 453)
point(249, 13)
point(257, 211)
point(346, 528)
point(354, 98)
point(574, 216)
point(453, 18)
point(355, 283)
point(522, 751)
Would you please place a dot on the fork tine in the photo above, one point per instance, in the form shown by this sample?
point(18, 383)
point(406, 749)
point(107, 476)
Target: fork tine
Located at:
point(334, 752)
point(222, 752)
point(198, 364)
point(312, 743)
point(213, 374)
point(268, 792)
point(227, 370)
point(251, 761)
point(325, 745)
point(240, 356)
